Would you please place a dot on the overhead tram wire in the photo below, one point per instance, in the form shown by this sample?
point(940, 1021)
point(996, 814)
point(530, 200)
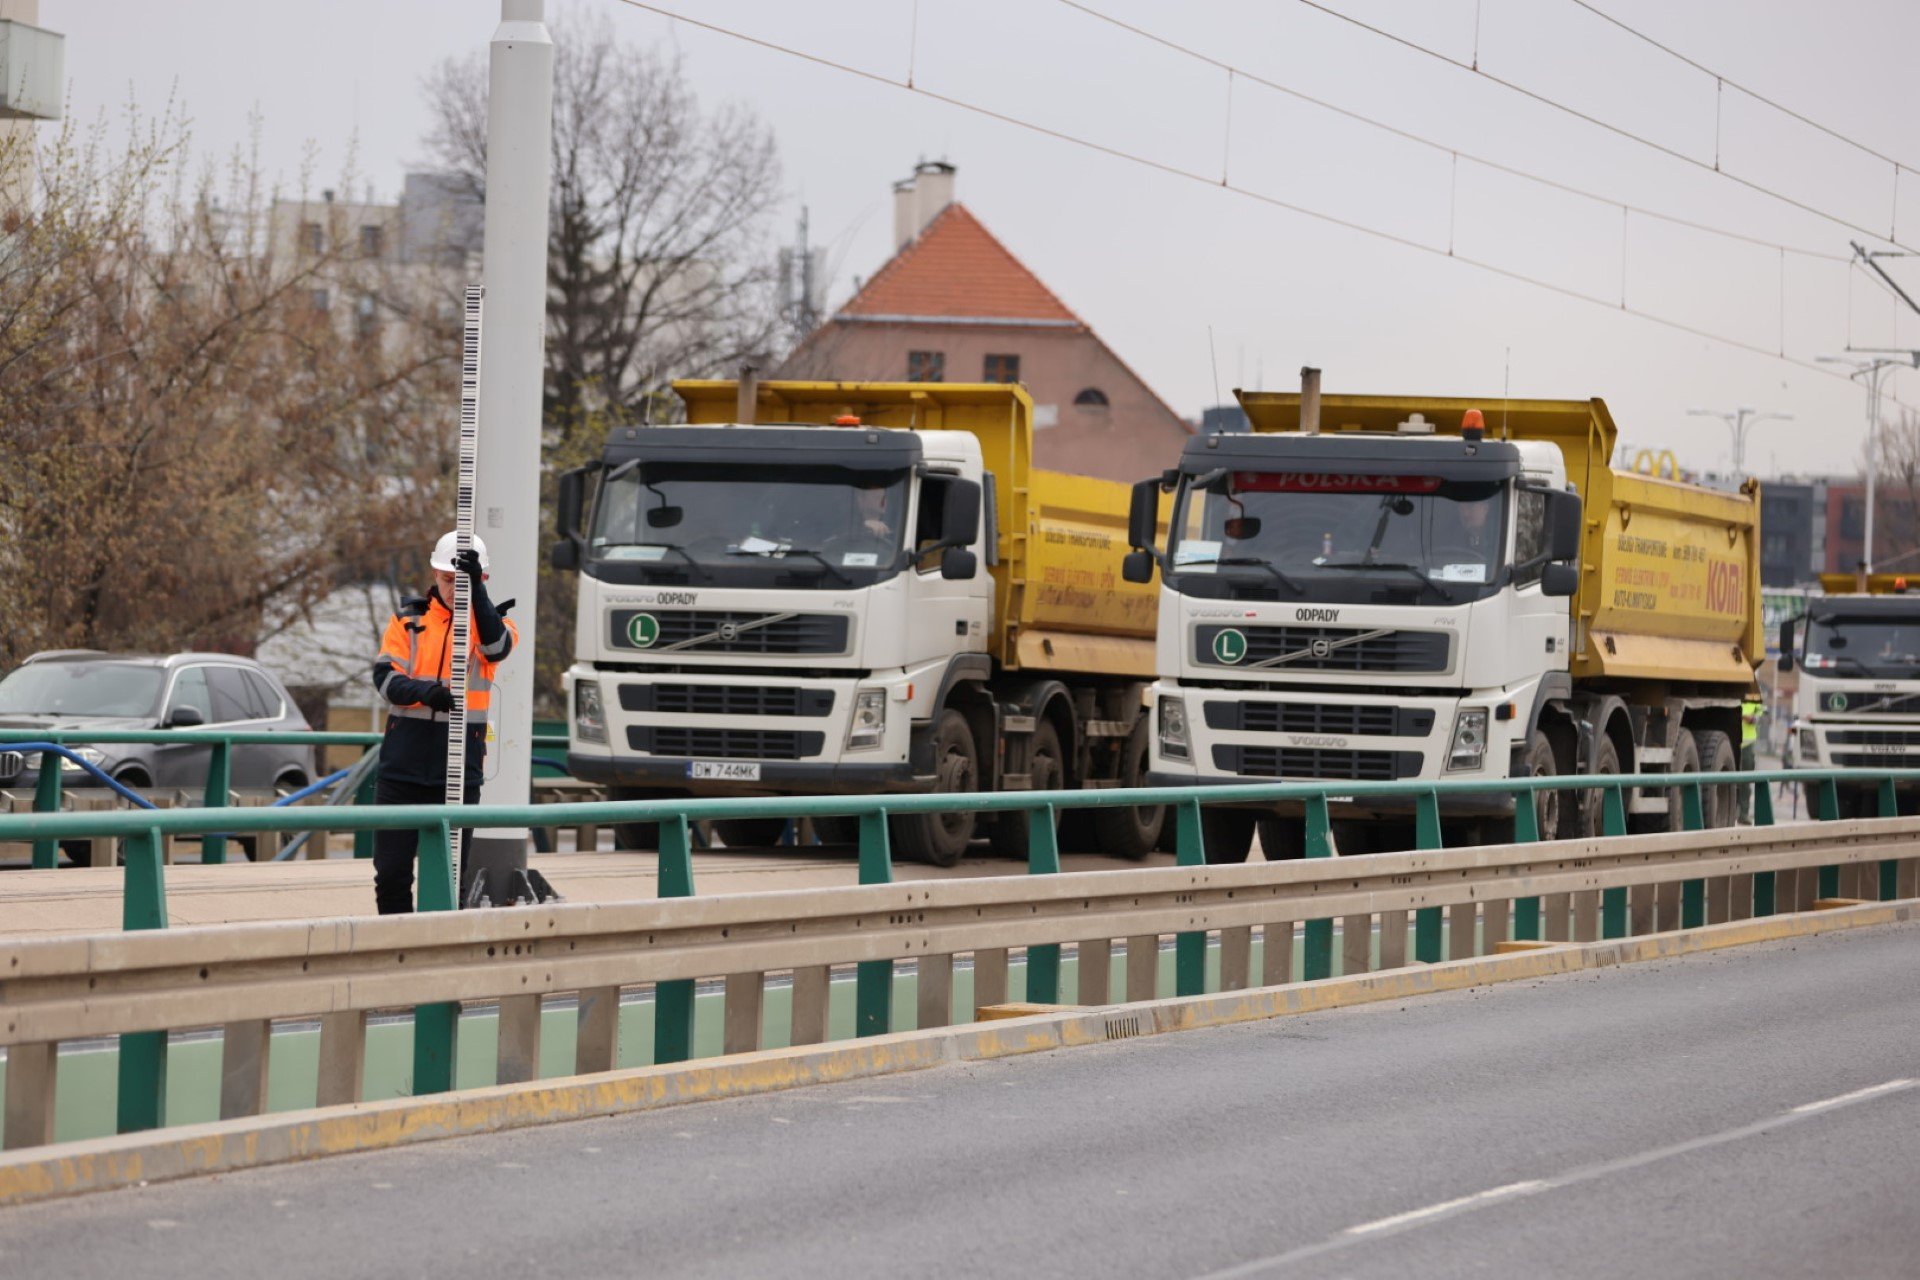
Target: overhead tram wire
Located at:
point(1735, 85)
point(1618, 130)
point(1241, 73)
point(1161, 166)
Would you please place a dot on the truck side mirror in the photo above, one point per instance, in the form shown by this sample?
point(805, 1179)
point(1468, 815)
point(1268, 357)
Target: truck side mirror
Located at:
point(1787, 628)
point(960, 517)
point(1143, 515)
point(569, 503)
point(1137, 566)
point(957, 564)
point(1563, 526)
point(1559, 579)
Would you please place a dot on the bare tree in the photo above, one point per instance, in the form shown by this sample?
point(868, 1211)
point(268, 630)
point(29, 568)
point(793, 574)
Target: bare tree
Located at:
point(658, 257)
point(1897, 498)
point(194, 448)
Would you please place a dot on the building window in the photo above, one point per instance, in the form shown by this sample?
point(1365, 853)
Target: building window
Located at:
point(373, 241)
point(1002, 369)
point(366, 316)
point(926, 366)
point(312, 239)
point(1091, 398)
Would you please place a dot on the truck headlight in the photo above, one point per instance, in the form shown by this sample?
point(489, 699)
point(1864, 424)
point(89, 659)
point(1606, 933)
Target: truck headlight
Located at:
point(1173, 729)
point(869, 720)
point(589, 715)
point(1469, 748)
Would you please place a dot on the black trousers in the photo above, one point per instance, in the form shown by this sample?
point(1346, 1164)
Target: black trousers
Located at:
point(394, 850)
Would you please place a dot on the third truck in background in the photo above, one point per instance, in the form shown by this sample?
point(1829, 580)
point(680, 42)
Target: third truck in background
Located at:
point(1377, 600)
point(815, 588)
point(1857, 648)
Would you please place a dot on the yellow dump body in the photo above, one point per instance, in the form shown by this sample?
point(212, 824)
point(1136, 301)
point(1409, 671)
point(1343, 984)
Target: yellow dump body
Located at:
point(1669, 572)
point(1059, 601)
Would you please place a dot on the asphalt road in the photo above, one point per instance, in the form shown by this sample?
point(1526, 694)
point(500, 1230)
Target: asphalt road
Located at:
point(1660, 1119)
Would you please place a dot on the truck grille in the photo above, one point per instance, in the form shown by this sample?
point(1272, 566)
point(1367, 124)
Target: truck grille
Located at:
point(1877, 759)
point(1867, 704)
point(1311, 762)
point(1315, 717)
point(725, 700)
point(725, 744)
point(1876, 738)
point(1321, 648)
point(717, 631)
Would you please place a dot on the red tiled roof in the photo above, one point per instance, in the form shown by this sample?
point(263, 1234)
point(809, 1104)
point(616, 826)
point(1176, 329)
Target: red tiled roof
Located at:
point(956, 268)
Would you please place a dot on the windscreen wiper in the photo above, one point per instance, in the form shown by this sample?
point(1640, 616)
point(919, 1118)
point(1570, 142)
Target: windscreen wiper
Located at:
point(1413, 569)
point(825, 563)
point(1255, 562)
point(680, 551)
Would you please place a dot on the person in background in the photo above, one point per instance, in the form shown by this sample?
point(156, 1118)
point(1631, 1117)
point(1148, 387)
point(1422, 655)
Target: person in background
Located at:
point(1750, 708)
point(414, 674)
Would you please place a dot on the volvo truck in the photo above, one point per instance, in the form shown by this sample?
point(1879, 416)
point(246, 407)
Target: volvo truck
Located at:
point(833, 588)
point(1857, 649)
point(1402, 588)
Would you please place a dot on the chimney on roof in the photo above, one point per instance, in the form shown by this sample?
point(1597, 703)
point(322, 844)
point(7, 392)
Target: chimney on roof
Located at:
point(918, 200)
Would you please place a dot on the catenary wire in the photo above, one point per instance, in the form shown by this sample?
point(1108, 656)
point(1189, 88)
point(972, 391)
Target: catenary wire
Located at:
point(1241, 73)
point(1731, 83)
point(1888, 235)
point(1318, 215)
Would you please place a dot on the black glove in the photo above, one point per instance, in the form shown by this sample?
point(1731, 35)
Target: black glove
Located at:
point(439, 697)
point(468, 562)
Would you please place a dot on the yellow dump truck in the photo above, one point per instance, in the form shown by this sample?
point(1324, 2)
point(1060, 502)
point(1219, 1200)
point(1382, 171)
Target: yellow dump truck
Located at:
point(855, 588)
point(1423, 588)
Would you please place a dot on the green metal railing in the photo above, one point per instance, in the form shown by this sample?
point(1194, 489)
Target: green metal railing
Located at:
point(142, 1063)
point(50, 785)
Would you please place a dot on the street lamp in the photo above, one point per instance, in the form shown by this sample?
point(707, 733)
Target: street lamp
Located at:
point(1738, 420)
point(1875, 368)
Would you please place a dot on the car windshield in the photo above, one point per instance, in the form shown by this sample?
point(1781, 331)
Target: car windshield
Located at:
point(1341, 538)
point(727, 523)
point(82, 689)
point(1887, 649)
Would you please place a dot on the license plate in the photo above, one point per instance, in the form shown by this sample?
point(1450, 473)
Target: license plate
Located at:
point(725, 770)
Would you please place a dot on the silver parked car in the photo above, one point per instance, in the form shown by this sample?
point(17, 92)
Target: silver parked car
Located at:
point(80, 689)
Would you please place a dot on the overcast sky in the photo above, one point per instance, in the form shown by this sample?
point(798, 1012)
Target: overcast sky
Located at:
point(1152, 258)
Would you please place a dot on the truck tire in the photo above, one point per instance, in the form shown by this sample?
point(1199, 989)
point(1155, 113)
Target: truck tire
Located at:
point(1719, 805)
point(1228, 833)
point(839, 830)
point(941, 839)
point(1549, 807)
point(1686, 759)
point(1048, 770)
point(634, 835)
point(1131, 833)
point(1606, 761)
point(749, 833)
point(1282, 839)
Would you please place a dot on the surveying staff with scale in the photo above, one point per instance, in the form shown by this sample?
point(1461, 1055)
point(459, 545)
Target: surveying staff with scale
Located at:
point(414, 675)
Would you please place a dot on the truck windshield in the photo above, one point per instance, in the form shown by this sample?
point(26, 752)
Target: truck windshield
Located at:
point(82, 689)
point(1338, 538)
point(773, 524)
point(1883, 648)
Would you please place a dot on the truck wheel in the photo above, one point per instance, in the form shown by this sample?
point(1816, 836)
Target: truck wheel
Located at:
point(840, 830)
point(1686, 759)
point(1131, 833)
point(1228, 833)
point(1540, 762)
point(634, 835)
point(1606, 762)
point(1282, 839)
point(749, 833)
point(942, 838)
point(1719, 806)
point(1045, 768)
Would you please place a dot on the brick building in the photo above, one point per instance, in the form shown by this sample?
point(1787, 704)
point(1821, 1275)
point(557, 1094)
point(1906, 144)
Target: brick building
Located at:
point(953, 304)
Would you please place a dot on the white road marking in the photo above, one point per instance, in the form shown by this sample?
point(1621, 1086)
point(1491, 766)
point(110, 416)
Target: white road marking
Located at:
point(1446, 1207)
point(1417, 1218)
point(1841, 1101)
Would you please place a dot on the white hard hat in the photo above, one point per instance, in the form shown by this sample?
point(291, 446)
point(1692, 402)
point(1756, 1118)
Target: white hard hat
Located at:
point(445, 549)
